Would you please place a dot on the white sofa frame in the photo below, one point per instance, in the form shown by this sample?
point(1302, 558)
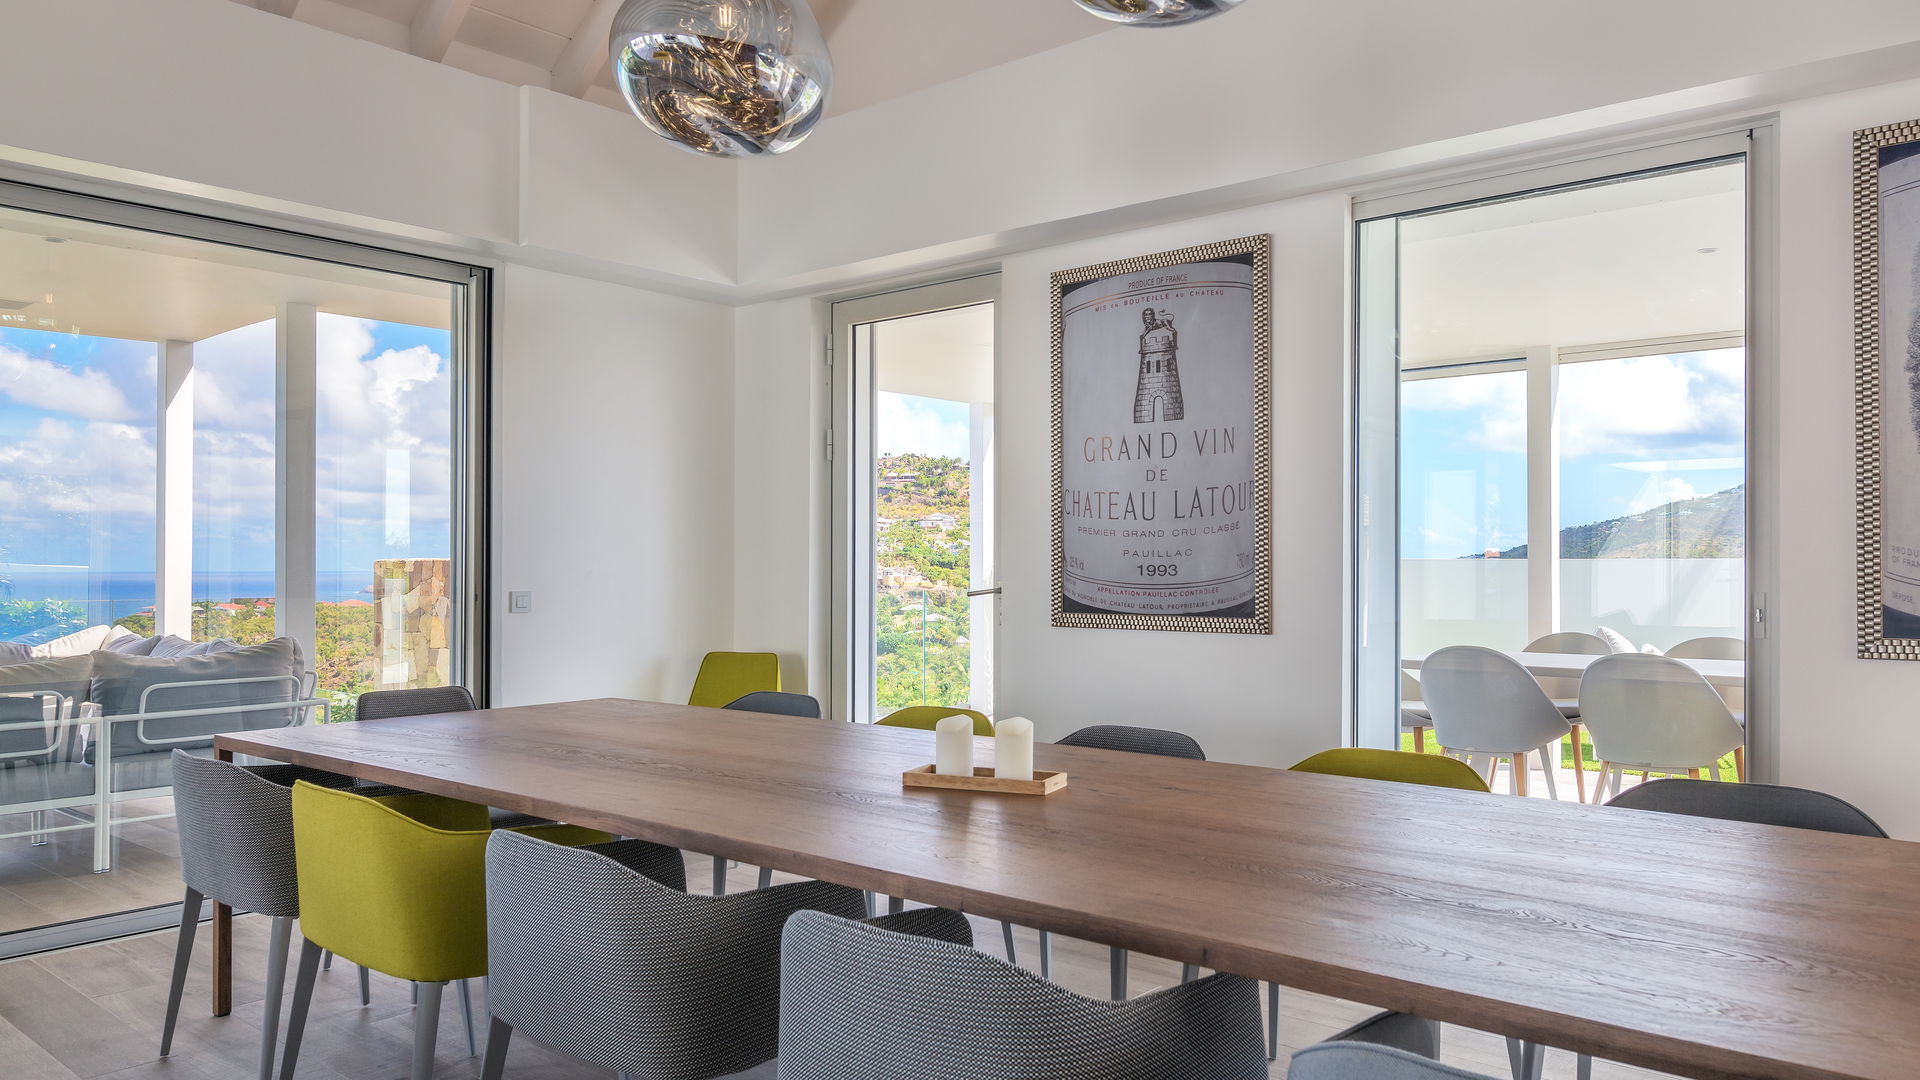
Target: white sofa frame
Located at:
point(67, 727)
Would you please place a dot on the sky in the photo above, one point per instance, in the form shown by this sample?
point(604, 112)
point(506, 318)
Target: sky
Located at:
point(77, 457)
point(909, 424)
point(1635, 433)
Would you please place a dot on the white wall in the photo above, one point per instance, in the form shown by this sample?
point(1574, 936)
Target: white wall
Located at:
point(613, 489)
point(1263, 700)
point(215, 99)
point(1846, 725)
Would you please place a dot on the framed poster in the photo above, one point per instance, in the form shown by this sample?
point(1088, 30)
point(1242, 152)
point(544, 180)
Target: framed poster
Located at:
point(1162, 417)
point(1886, 338)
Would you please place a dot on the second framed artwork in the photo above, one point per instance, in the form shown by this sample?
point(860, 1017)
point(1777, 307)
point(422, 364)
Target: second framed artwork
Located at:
point(1162, 441)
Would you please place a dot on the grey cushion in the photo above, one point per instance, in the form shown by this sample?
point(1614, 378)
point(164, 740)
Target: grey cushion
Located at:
point(28, 783)
point(118, 682)
point(170, 647)
point(25, 745)
point(133, 646)
point(12, 652)
point(69, 675)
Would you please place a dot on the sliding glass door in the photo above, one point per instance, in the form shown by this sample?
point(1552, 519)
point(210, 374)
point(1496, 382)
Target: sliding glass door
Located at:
point(913, 454)
point(1552, 401)
point(211, 436)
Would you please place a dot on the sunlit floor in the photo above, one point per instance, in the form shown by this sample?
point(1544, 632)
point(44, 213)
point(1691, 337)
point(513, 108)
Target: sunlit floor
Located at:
point(54, 882)
point(95, 1011)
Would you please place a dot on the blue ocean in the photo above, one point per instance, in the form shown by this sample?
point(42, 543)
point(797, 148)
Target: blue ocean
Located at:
point(116, 594)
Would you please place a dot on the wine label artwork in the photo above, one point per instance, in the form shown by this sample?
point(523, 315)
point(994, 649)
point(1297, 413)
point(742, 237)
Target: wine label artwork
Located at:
point(1161, 406)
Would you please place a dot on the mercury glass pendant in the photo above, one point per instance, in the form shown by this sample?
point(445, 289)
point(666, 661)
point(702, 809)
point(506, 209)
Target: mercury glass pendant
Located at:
point(1156, 12)
point(732, 78)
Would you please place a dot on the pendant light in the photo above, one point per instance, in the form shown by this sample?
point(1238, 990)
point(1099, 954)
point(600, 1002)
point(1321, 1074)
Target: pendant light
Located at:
point(1156, 12)
point(731, 78)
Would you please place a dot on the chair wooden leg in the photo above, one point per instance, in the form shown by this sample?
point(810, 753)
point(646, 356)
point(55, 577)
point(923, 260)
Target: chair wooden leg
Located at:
point(1740, 763)
point(1419, 740)
point(1520, 771)
point(182, 955)
point(1693, 774)
point(495, 1063)
point(1579, 764)
point(426, 1030)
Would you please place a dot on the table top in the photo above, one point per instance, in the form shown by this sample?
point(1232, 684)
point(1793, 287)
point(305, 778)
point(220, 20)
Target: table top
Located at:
point(1573, 665)
point(1704, 948)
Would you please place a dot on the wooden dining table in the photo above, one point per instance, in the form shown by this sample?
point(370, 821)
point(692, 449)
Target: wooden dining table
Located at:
point(1693, 946)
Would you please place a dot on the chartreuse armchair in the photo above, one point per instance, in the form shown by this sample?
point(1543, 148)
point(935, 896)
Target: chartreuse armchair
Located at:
point(924, 717)
point(1398, 766)
point(396, 883)
point(729, 676)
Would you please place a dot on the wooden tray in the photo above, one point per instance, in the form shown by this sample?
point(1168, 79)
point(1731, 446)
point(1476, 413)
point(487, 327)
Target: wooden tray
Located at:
point(1043, 782)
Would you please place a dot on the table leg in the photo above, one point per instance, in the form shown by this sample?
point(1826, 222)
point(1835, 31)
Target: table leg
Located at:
point(222, 942)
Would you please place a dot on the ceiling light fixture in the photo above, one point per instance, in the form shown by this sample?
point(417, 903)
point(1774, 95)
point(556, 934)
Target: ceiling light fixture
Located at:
point(730, 78)
point(1156, 12)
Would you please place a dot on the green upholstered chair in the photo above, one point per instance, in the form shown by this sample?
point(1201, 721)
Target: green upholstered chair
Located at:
point(924, 717)
point(729, 676)
point(1393, 766)
point(1398, 766)
point(396, 883)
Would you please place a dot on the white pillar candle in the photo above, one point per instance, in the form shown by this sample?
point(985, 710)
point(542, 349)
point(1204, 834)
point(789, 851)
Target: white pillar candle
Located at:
point(953, 746)
point(1013, 748)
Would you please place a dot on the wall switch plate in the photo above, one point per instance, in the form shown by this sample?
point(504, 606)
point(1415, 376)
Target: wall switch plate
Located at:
point(519, 603)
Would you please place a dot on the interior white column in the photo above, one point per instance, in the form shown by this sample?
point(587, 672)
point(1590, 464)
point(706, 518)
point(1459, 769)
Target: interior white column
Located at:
point(1543, 493)
point(173, 529)
point(296, 462)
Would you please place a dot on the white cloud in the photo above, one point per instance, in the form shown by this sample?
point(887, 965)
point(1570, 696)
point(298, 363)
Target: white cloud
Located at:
point(64, 468)
point(47, 384)
point(904, 424)
point(1659, 491)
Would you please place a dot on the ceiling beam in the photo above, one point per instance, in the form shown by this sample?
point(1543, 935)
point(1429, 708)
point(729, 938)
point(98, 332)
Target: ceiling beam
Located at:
point(586, 54)
point(434, 26)
point(286, 8)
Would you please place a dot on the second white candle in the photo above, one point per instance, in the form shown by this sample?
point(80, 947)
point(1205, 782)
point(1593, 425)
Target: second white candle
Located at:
point(1013, 748)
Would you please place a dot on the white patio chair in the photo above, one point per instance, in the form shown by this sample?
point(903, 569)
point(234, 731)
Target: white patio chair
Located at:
point(1565, 692)
point(1414, 716)
point(1710, 648)
point(1655, 714)
point(1486, 706)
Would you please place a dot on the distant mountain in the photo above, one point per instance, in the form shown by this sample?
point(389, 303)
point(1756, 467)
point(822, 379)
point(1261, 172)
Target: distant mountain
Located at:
point(1708, 527)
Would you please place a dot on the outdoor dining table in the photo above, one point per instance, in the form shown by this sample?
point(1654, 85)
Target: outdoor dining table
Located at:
point(1699, 947)
point(1723, 674)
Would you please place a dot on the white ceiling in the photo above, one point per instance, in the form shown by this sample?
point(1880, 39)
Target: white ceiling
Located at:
point(1659, 257)
point(881, 49)
point(105, 281)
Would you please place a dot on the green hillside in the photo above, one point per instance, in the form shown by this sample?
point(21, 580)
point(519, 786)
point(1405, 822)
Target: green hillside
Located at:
point(1708, 527)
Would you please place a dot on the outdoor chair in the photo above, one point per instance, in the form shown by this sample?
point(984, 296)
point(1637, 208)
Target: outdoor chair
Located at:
point(1655, 714)
point(1487, 706)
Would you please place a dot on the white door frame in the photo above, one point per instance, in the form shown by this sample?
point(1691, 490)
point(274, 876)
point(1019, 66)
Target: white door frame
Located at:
point(850, 471)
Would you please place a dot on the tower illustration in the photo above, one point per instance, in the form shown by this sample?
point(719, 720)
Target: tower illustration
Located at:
point(1159, 370)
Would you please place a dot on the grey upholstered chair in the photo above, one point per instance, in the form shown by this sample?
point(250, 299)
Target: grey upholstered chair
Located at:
point(236, 847)
point(1132, 740)
point(777, 702)
point(1410, 1047)
point(860, 1002)
point(1760, 804)
point(427, 701)
point(600, 952)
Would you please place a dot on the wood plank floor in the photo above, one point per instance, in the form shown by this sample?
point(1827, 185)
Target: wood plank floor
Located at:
point(94, 1012)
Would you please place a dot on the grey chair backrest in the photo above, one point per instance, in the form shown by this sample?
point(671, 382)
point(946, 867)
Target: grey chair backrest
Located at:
point(1366, 1061)
point(418, 701)
point(599, 952)
point(777, 702)
point(30, 729)
point(1710, 648)
point(862, 1003)
point(1485, 700)
point(235, 825)
point(1654, 710)
point(1761, 804)
point(1136, 740)
point(1572, 642)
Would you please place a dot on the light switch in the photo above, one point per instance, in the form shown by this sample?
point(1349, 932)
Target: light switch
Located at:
point(519, 603)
